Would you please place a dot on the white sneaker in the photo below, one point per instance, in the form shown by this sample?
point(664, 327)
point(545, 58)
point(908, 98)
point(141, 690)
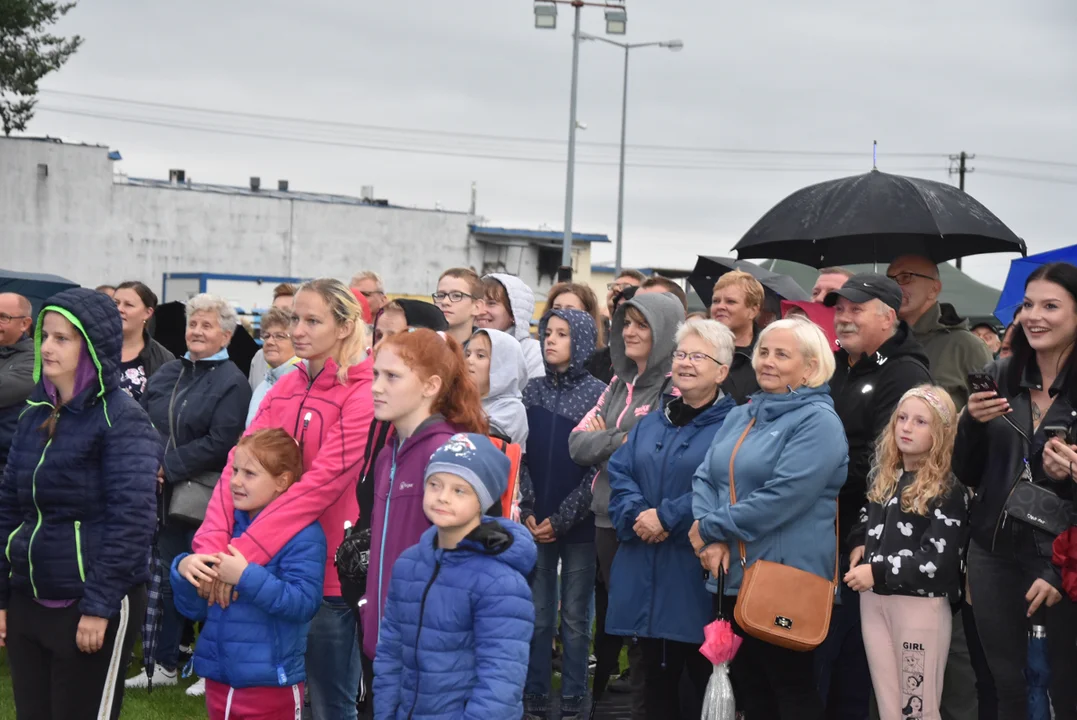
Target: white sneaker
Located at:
point(198, 689)
point(161, 678)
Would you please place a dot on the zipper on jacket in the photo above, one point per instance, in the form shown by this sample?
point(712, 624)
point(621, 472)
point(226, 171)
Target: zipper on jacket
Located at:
point(654, 555)
point(419, 632)
point(10, 538)
point(78, 549)
point(549, 460)
point(384, 532)
point(33, 488)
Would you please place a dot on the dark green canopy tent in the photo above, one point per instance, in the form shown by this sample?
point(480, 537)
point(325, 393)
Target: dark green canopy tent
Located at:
point(971, 299)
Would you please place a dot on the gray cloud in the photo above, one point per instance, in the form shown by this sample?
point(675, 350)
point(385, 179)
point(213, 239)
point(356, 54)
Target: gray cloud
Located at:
point(995, 78)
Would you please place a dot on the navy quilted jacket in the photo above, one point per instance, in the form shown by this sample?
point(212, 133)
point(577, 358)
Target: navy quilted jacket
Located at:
point(456, 634)
point(552, 485)
point(260, 640)
point(77, 512)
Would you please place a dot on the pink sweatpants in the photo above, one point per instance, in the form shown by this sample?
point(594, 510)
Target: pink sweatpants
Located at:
point(262, 703)
point(907, 640)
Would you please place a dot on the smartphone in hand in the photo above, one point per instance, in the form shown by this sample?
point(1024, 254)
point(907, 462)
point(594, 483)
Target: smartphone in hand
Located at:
point(982, 382)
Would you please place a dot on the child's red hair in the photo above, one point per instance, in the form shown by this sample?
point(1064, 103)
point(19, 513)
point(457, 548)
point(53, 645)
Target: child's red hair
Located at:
point(275, 450)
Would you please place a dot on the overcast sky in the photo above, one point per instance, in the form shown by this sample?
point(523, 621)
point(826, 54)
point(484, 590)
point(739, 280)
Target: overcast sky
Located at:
point(992, 77)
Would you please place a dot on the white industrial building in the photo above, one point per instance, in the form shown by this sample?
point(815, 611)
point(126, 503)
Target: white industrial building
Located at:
point(64, 210)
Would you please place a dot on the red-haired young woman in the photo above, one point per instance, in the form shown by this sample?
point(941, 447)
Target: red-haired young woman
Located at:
point(423, 388)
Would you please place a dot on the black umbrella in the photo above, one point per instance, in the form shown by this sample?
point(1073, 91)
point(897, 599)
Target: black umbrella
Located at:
point(877, 217)
point(777, 287)
point(35, 287)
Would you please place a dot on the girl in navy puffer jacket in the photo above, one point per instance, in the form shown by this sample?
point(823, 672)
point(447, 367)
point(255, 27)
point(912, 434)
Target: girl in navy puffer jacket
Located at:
point(77, 511)
point(251, 654)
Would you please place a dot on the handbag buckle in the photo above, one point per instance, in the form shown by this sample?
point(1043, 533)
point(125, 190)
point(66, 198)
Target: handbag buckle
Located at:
point(783, 622)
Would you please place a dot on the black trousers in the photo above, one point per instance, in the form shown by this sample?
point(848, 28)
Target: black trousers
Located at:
point(664, 662)
point(772, 683)
point(606, 545)
point(999, 582)
point(50, 677)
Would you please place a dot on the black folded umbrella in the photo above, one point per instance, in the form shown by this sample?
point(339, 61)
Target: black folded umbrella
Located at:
point(874, 218)
point(776, 286)
point(353, 561)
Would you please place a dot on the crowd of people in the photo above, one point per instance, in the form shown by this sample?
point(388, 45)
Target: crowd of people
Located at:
point(611, 485)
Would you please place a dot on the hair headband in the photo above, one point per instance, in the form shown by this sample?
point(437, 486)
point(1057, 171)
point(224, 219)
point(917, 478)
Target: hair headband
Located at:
point(933, 400)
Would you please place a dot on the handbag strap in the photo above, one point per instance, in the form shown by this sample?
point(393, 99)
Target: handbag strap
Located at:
point(733, 501)
point(171, 407)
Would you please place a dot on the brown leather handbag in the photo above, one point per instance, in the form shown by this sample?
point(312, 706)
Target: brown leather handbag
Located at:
point(780, 604)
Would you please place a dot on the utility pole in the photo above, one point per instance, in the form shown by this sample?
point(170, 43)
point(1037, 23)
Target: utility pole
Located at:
point(961, 159)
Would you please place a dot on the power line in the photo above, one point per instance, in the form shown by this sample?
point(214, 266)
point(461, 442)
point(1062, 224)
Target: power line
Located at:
point(479, 136)
point(1028, 176)
point(1029, 161)
point(447, 153)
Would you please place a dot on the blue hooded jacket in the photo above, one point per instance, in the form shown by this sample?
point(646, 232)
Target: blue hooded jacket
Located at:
point(261, 639)
point(658, 589)
point(456, 635)
point(77, 512)
point(552, 485)
point(789, 470)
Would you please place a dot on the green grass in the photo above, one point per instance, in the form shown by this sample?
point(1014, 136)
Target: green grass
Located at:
point(161, 704)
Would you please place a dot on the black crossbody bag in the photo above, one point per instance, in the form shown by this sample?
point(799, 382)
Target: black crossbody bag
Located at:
point(1034, 504)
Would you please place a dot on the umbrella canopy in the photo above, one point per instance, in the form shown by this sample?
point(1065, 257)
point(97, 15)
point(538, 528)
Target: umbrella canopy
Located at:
point(877, 217)
point(776, 286)
point(35, 287)
point(1013, 292)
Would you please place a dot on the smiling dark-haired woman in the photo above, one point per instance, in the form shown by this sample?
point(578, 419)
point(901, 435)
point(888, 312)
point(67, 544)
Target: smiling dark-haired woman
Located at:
point(1009, 451)
point(77, 515)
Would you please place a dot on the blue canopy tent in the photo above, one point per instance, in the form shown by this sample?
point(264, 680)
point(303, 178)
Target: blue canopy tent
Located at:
point(1014, 290)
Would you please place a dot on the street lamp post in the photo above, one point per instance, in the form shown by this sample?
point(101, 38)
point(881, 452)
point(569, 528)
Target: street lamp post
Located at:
point(673, 45)
point(546, 18)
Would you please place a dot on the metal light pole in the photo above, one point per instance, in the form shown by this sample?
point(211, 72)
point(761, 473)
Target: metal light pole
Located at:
point(546, 18)
point(564, 273)
point(675, 46)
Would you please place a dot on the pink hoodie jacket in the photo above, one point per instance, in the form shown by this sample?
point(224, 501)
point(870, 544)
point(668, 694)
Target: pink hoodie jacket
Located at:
point(330, 421)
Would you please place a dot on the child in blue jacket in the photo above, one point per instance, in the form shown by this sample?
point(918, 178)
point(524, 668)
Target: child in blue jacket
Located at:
point(251, 653)
point(454, 639)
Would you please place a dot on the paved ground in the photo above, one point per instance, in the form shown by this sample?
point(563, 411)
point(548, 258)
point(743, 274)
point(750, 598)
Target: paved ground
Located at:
point(614, 707)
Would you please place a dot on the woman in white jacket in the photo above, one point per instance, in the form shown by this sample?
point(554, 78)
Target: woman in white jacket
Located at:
point(509, 305)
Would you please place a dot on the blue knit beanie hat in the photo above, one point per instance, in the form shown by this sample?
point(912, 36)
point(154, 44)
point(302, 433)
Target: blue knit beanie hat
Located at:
point(475, 459)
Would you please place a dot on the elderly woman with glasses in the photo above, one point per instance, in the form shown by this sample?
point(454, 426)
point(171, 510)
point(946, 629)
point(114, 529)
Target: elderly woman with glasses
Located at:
point(656, 586)
point(278, 353)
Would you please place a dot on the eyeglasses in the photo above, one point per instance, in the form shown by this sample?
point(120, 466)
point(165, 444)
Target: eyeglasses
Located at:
point(371, 293)
point(453, 297)
point(277, 337)
point(5, 318)
point(695, 358)
point(904, 278)
point(617, 287)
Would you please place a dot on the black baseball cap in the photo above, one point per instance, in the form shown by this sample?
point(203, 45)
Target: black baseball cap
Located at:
point(867, 286)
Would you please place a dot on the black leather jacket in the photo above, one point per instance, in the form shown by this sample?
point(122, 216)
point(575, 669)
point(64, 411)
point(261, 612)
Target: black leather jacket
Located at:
point(989, 457)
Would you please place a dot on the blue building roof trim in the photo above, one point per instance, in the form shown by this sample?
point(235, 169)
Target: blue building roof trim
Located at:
point(610, 269)
point(545, 235)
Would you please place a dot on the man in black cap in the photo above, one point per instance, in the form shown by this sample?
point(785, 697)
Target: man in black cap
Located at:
point(878, 362)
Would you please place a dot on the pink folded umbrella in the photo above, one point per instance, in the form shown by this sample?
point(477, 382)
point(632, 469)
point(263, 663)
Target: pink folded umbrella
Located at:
point(720, 645)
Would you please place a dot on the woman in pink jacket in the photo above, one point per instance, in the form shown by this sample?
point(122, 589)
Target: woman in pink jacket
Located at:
point(326, 407)
point(423, 388)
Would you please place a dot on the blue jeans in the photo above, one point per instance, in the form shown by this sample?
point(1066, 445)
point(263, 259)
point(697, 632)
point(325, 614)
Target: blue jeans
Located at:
point(577, 588)
point(333, 667)
point(173, 540)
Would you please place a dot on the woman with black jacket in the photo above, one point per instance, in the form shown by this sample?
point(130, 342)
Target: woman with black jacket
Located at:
point(141, 356)
point(198, 404)
point(76, 516)
point(1003, 441)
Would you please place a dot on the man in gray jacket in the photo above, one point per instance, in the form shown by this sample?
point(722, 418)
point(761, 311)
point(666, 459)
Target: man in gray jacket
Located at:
point(16, 365)
point(642, 341)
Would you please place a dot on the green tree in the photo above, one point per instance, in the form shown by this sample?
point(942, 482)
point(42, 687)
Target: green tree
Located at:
point(27, 54)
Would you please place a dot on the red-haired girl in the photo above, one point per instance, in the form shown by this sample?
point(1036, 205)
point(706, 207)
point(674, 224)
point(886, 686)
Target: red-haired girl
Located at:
point(422, 387)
